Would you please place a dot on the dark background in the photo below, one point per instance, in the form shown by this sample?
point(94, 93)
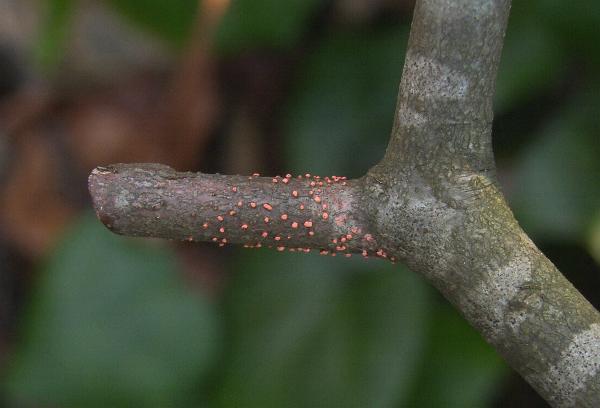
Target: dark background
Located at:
point(88, 318)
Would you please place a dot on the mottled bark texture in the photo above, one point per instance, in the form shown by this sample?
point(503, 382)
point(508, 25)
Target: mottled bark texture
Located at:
point(432, 202)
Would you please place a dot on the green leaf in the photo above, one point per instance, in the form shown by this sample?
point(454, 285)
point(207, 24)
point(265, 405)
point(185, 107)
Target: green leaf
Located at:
point(341, 112)
point(112, 325)
point(54, 28)
point(576, 24)
point(556, 190)
point(461, 370)
point(309, 331)
point(171, 20)
point(532, 61)
point(250, 24)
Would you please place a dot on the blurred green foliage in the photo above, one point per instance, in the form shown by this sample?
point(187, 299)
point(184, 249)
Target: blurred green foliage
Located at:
point(171, 20)
point(251, 24)
point(561, 162)
point(54, 30)
point(343, 102)
point(311, 331)
point(113, 325)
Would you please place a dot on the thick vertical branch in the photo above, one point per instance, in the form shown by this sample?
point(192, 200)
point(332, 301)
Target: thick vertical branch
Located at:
point(440, 208)
point(444, 111)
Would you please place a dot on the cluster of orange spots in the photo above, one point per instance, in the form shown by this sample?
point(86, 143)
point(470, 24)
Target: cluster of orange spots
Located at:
point(339, 245)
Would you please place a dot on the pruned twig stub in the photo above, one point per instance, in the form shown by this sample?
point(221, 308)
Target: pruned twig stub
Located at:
point(295, 213)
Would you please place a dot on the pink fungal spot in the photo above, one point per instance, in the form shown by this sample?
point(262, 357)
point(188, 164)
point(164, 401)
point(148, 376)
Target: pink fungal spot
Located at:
point(294, 224)
point(240, 203)
point(288, 176)
point(221, 244)
point(267, 206)
point(302, 206)
point(348, 236)
point(264, 234)
point(307, 175)
point(285, 180)
point(267, 219)
point(232, 213)
point(284, 217)
point(308, 224)
point(277, 238)
point(220, 217)
point(317, 199)
point(311, 233)
point(224, 240)
point(323, 252)
point(234, 189)
point(255, 174)
point(325, 216)
point(348, 255)
point(274, 180)
point(244, 226)
point(253, 204)
point(215, 239)
point(312, 184)
point(221, 230)
point(365, 253)
point(205, 225)
point(281, 248)
point(324, 206)
point(368, 237)
point(294, 193)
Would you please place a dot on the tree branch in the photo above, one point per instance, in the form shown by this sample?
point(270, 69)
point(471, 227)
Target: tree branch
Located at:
point(298, 214)
point(432, 202)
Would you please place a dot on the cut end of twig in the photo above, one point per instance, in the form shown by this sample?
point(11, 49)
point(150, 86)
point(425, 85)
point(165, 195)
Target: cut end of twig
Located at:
point(97, 186)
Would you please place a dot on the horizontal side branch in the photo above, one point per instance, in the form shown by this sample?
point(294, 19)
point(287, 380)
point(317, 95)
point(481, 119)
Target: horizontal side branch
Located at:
point(294, 213)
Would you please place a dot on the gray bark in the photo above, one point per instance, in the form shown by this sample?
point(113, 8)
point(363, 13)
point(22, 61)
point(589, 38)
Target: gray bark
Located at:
point(433, 202)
